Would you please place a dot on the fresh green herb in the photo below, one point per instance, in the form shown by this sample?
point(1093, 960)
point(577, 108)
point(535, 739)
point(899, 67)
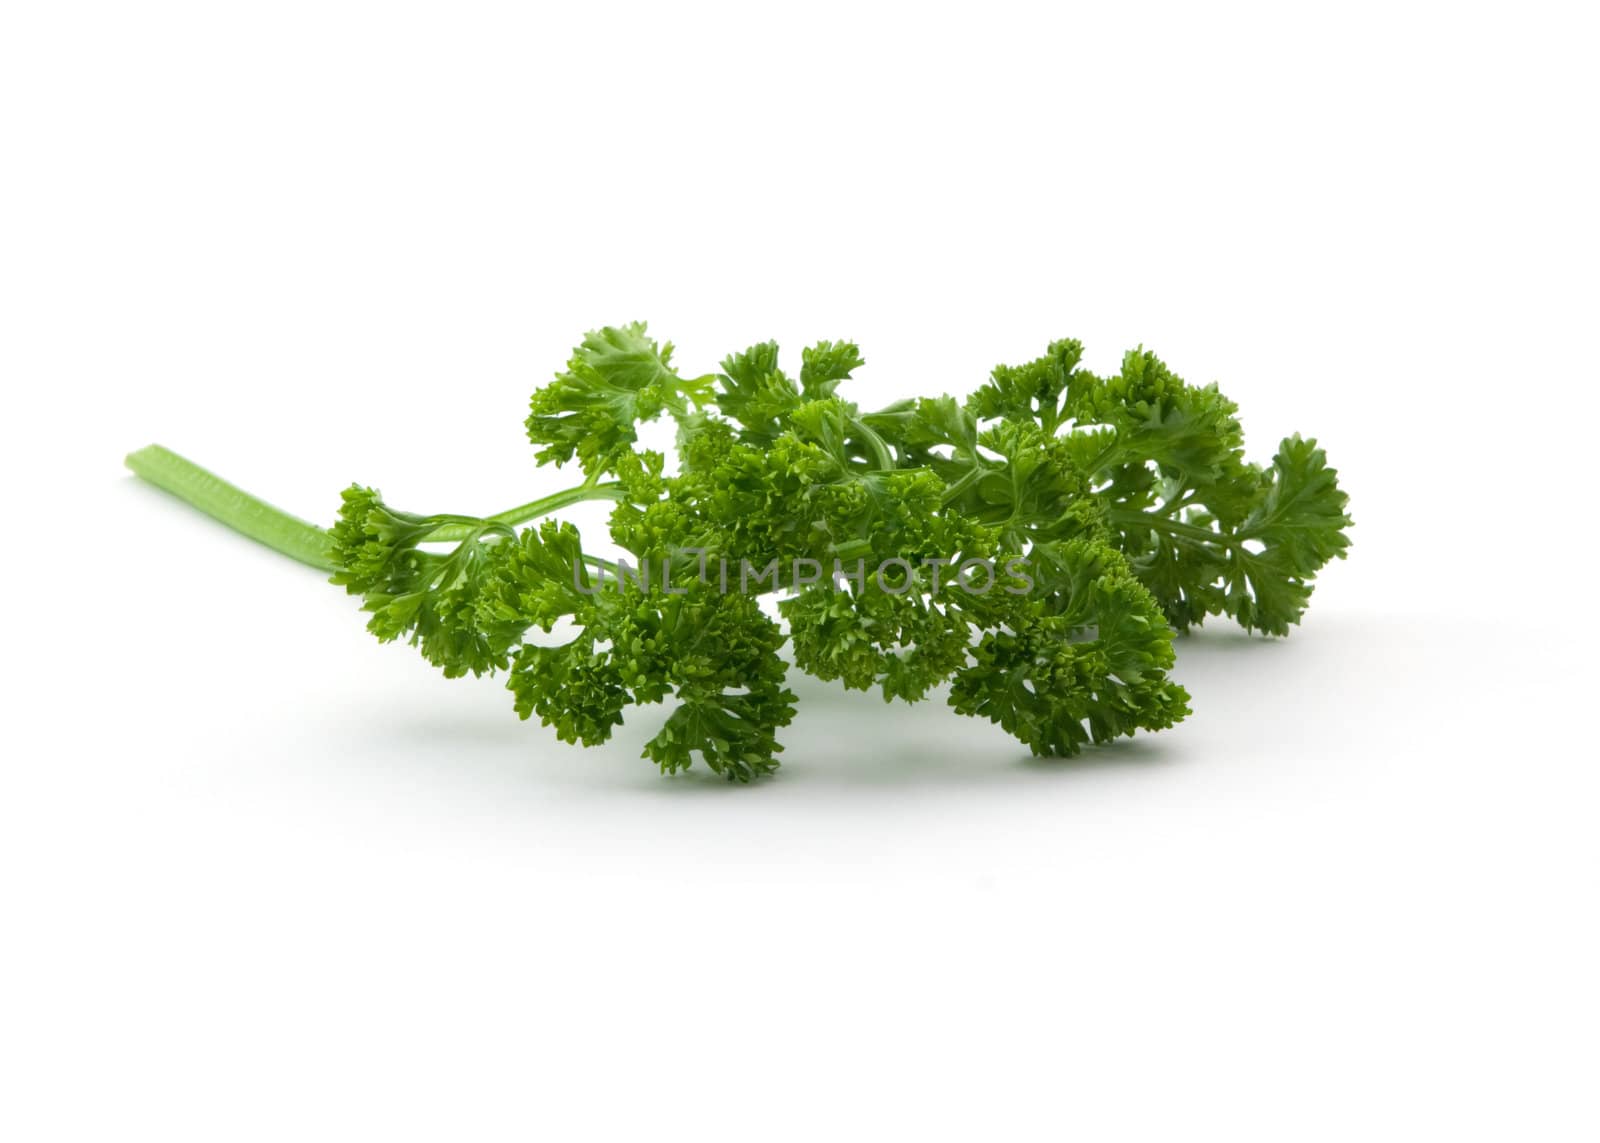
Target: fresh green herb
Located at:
point(1033, 548)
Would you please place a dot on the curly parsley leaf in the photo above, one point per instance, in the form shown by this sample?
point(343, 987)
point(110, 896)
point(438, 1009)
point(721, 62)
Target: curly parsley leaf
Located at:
point(616, 379)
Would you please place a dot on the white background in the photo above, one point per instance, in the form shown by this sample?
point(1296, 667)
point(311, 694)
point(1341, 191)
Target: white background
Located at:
point(263, 878)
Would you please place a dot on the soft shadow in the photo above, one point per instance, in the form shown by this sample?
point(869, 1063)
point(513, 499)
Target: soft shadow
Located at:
point(838, 740)
point(981, 755)
point(1223, 641)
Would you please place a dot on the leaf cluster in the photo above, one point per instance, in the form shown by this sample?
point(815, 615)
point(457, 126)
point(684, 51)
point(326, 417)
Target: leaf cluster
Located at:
point(1109, 512)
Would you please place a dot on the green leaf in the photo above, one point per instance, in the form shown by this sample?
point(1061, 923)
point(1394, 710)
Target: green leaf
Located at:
point(1039, 391)
point(1086, 662)
point(825, 365)
point(615, 380)
point(753, 391)
point(430, 599)
point(1297, 525)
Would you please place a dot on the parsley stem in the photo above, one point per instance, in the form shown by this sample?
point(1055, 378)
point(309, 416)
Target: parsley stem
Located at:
point(958, 487)
point(881, 456)
point(304, 541)
point(1159, 523)
point(533, 509)
point(232, 506)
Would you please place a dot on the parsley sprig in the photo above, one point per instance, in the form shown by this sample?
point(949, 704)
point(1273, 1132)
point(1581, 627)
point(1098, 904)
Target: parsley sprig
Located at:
point(1111, 512)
